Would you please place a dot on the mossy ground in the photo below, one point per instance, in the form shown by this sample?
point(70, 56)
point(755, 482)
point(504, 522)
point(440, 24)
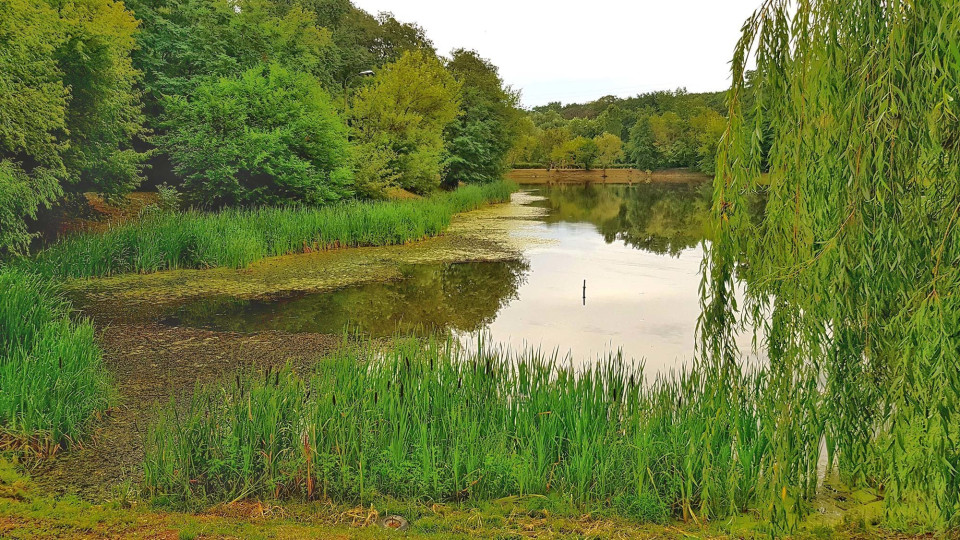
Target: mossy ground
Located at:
point(27, 511)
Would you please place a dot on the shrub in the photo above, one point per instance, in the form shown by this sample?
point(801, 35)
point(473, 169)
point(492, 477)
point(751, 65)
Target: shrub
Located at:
point(268, 136)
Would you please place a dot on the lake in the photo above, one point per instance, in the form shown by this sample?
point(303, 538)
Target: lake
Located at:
point(610, 268)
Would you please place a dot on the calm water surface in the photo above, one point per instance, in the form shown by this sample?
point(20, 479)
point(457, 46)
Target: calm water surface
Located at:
point(638, 248)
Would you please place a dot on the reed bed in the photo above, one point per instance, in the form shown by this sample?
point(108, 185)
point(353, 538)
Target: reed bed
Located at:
point(234, 238)
point(52, 378)
point(426, 421)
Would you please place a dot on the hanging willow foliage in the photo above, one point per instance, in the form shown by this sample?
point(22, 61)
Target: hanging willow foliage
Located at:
point(849, 125)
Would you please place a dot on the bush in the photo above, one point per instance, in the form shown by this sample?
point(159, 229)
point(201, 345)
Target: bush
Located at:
point(268, 136)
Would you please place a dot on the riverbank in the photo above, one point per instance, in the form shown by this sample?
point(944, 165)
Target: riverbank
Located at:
point(27, 511)
point(598, 176)
point(235, 238)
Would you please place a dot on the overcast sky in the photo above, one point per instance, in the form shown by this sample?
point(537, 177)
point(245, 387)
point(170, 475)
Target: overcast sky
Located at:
point(573, 51)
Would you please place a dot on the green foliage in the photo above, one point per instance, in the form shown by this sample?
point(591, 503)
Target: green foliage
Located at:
point(430, 422)
point(853, 271)
point(21, 195)
point(658, 130)
point(267, 137)
point(68, 110)
point(186, 43)
point(103, 116)
point(580, 152)
point(708, 125)
point(609, 149)
point(400, 118)
point(235, 238)
point(479, 139)
point(51, 371)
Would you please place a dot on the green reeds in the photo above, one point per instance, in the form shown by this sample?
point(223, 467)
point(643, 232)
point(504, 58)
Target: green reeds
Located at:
point(235, 238)
point(430, 422)
point(52, 377)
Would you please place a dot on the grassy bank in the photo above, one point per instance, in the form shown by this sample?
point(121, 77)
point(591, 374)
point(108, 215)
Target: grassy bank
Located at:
point(431, 423)
point(30, 512)
point(235, 238)
point(52, 377)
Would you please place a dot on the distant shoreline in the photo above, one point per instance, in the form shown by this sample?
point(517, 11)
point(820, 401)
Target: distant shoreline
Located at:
point(596, 176)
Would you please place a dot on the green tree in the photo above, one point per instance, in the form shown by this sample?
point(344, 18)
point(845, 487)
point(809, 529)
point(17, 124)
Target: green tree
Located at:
point(185, 43)
point(400, 119)
point(609, 150)
point(673, 140)
point(551, 146)
point(479, 140)
point(267, 137)
point(579, 152)
point(68, 110)
point(584, 127)
point(616, 120)
point(104, 112)
point(854, 268)
point(707, 126)
point(641, 148)
point(33, 104)
point(526, 147)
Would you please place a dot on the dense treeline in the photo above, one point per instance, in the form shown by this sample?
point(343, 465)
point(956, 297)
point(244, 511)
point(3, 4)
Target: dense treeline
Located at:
point(657, 130)
point(235, 103)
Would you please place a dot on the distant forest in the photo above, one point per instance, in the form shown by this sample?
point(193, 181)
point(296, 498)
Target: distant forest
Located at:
point(656, 130)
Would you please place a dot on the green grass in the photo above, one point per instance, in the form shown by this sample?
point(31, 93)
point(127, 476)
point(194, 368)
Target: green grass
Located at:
point(429, 422)
point(52, 377)
point(235, 238)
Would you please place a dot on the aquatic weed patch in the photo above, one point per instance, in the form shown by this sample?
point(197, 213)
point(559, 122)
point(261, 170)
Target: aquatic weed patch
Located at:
point(234, 238)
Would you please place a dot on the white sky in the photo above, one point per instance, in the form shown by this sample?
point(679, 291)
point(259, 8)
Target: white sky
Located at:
point(574, 51)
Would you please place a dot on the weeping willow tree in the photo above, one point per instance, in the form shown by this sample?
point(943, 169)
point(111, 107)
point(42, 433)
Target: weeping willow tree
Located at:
point(849, 125)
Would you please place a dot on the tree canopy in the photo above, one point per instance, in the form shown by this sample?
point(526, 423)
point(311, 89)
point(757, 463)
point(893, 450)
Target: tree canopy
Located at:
point(268, 136)
point(658, 130)
point(853, 270)
point(103, 96)
point(486, 129)
point(68, 107)
point(399, 120)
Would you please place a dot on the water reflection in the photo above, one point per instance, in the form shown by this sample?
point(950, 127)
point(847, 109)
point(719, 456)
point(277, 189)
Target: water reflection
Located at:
point(659, 218)
point(428, 298)
point(637, 247)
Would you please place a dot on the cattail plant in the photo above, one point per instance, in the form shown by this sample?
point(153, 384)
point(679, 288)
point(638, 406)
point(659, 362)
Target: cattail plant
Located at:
point(52, 377)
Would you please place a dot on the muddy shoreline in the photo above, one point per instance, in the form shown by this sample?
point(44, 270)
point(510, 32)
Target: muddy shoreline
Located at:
point(610, 176)
point(151, 364)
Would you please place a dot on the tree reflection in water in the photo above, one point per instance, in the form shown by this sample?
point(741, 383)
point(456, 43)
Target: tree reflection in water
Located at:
point(461, 297)
point(660, 218)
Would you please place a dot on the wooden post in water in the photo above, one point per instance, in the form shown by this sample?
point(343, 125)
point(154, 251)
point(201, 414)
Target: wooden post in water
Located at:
point(584, 292)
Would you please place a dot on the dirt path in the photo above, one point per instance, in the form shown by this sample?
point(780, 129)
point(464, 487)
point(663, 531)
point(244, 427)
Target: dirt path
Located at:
point(150, 364)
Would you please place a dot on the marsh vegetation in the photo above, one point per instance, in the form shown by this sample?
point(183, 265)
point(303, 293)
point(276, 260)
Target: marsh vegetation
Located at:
point(798, 316)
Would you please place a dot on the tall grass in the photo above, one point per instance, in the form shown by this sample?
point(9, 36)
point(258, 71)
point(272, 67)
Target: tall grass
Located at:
point(429, 422)
point(52, 377)
point(235, 238)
